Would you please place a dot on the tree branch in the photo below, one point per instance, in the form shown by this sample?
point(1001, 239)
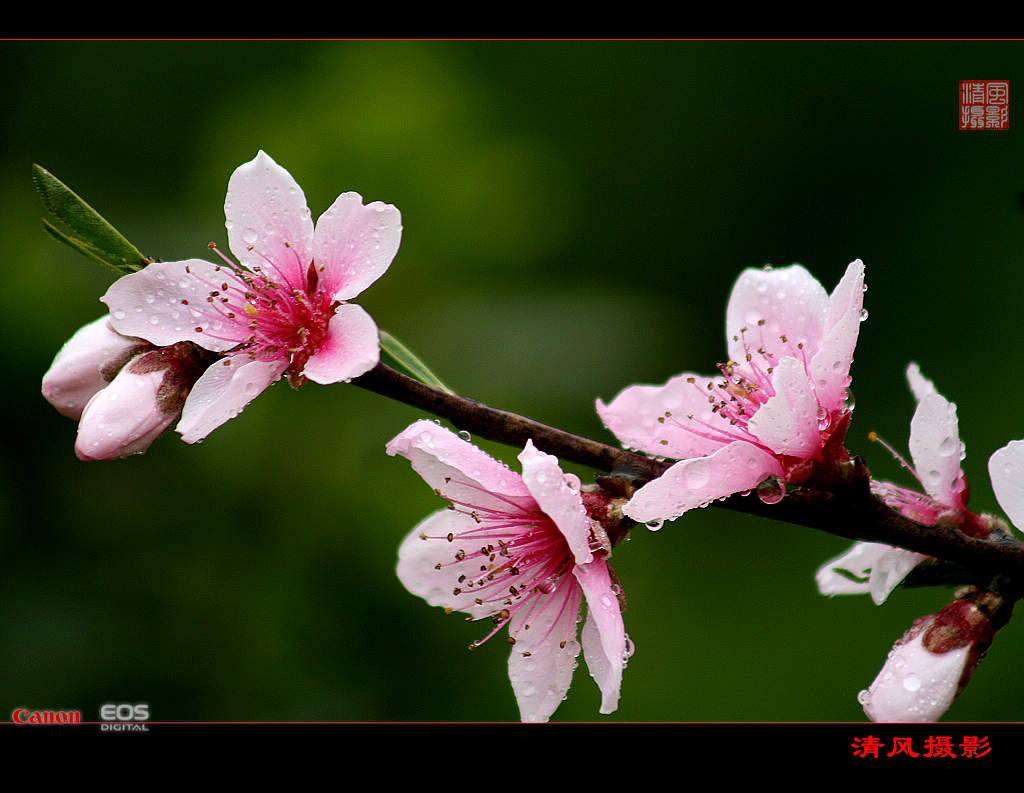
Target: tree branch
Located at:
point(847, 508)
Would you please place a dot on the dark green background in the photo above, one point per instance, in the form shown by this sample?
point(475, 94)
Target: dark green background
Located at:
point(575, 214)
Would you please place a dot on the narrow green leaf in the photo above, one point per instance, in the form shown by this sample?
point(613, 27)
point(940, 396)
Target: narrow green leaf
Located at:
point(404, 357)
point(82, 227)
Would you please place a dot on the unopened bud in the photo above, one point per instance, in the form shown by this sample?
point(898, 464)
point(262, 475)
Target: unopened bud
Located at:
point(933, 662)
point(86, 363)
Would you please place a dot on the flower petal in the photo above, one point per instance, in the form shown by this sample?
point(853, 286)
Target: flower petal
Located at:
point(166, 302)
point(543, 658)
point(850, 572)
point(547, 484)
point(791, 303)
point(936, 449)
point(85, 364)
point(788, 422)
point(424, 548)
point(1006, 468)
point(637, 417)
point(353, 245)
point(224, 389)
point(915, 684)
point(920, 385)
point(460, 471)
point(697, 482)
point(603, 635)
point(269, 224)
point(890, 569)
point(351, 347)
point(124, 418)
point(830, 366)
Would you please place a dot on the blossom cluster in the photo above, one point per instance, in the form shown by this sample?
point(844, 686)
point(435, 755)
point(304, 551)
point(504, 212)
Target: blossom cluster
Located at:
point(192, 342)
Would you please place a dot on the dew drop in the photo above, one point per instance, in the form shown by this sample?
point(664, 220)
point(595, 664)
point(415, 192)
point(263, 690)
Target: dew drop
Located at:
point(911, 682)
point(119, 313)
point(863, 314)
point(465, 435)
point(654, 525)
point(772, 490)
point(249, 236)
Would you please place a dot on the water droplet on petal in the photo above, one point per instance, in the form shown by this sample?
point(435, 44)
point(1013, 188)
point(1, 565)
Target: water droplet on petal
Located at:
point(654, 525)
point(863, 314)
point(465, 435)
point(772, 490)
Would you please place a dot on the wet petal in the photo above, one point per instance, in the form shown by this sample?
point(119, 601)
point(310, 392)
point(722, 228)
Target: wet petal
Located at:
point(547, 484)
point(269, 225)
point(788, 422)
point(354, 244)
point(603, 635)
point(461, 472)
point(543, 658)
point(791, 303)
point(124, 418)
point(850, 572)
point(637, 418)
point(830, 366)
point(85, 364)
point(426, 547)
point(166, 302)
point(920, 385)
point(351, 347)
point(224, 389)
point(890, 569)
point(697, 482)
point(1006, 467)
point(915, 684)
point(936, 449)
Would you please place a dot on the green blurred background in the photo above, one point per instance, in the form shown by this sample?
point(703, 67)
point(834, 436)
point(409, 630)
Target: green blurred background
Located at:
point(575, 214)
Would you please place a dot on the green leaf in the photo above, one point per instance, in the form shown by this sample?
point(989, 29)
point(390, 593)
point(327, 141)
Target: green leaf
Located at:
point(404, 357)
point(78, 225)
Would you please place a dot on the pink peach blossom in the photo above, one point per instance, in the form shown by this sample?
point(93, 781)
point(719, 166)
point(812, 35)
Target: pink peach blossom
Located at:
point(936, 451)
point(282, 310)
point(522, 552)
point(780, 399)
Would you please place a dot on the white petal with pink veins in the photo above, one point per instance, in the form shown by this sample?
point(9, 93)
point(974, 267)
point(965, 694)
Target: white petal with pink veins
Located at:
point(461, 472)
point(543, 658)
point(791, 303)
point(936, 449)
point(547, 484)
point(166, 302)
point(269, 224)
point(788, 423)
point(354, 244)
point(224, 389)
point(1006, 468)
point(350, 348)
point(603, 635)
point(697, 482)
point(636, 416)
point(830, 366)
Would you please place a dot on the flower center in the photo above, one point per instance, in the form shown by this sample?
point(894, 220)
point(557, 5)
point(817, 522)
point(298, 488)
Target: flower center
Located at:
point(508, 560)
point(269, 316)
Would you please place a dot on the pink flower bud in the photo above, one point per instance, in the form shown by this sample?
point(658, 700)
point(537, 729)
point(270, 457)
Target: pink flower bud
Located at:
point(85, 364)
point(124, 418)
point(931, 664)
